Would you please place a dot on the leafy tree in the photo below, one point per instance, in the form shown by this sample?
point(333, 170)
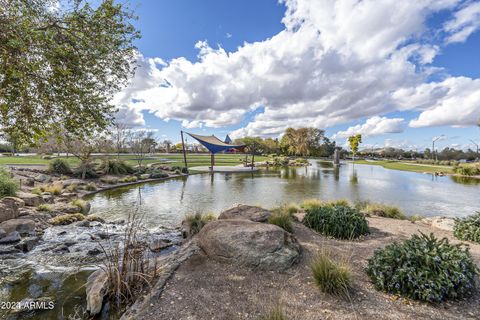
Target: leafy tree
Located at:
point(60, 67)
point(354, 142)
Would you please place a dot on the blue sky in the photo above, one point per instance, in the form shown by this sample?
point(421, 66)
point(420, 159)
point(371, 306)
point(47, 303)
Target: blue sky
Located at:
point(171, 29)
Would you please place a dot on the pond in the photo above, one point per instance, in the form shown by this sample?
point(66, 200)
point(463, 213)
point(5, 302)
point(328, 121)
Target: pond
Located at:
point(165, 203)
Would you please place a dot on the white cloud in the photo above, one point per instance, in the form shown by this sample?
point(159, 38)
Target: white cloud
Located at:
point(465, 22)
point(372, 127)
point(335, 62)
point(129, 117)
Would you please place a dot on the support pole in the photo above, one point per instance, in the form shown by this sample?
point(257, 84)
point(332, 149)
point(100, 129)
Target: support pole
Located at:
point(184, 153)
point(212, 161)
point(253, 159)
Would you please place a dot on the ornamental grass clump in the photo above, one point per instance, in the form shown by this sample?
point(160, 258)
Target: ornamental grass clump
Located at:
point(383, 210)
point(331, 276)
point(115, 167)
point(59, 166)
point(193, 223)
point(423, 268)
point(281, 218)
point(275, 313)
point(8, 185)
point(337, 221)
point(468, 228)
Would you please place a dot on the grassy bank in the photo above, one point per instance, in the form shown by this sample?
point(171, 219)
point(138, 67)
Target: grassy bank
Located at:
point(407, 166)
point(170, 159)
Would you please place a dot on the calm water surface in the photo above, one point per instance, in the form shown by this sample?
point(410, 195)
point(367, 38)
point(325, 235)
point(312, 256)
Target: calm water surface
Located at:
point(165, 203)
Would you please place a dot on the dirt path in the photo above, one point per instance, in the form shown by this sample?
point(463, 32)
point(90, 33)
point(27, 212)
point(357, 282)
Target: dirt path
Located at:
point(204, 289)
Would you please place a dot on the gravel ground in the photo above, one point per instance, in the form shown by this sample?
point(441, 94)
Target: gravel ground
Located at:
point(205, 289)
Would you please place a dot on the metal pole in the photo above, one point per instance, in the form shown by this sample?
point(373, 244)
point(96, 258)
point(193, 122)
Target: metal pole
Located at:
point(212, 161)
point(184, 153)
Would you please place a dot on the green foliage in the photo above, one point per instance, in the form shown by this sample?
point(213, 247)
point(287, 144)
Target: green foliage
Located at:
point(468, 169)
point(65, 219)
point(281, 218)
point(44, 207)
point(423, 268)
point(8, 185)
point(54, 188)
point(354, 142)
point(310, 204)
point(59, 166)
point(193, 223)
point(383, 210)
point(82, 204)
point(72, 60)
point(91, 187)
point(336, 221)
point(331, 276)
point(468, 228)
point(115, 167)
point(128, 179)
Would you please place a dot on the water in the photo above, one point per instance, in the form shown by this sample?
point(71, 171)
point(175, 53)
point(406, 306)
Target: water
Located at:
point(166, 203)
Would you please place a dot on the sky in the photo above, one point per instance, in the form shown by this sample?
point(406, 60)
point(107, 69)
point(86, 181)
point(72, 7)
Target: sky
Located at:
point(398, 72)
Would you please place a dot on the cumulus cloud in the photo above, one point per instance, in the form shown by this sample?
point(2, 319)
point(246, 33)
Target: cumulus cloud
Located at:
point(465, 22)
point(373, 126)
point(335, 62)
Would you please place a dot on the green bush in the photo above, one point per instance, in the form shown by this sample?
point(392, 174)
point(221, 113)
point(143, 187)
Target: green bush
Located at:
point(281, 218)
point(337, 221)
point(468, 228)
point(115, 167)
point(423, 268)
point(468, 169)
point(59, 166)
point(193, 223)
point(8, 185)
point(330, 275)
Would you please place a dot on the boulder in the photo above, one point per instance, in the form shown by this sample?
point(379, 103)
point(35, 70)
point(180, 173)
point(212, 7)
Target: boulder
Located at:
point(247, 243)
point(96, 289)
point(43, 178)
point(144, 176)
point(30, 199)
point(22, 226)
point(252, 213)
point(70, 182)
point(7, 212)
point(29, 182)
point(66, 208)
point(14, 202)
point(442, 223)
point(27, 244)
point(11, 238)
point(2, 233)
point(159, 244)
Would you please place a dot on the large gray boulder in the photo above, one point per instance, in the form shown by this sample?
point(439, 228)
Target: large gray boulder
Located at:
point(247, 243)
point(9, 207)
point(96, 289)
point(22, 226)
point(30, 199)
point(252, 213)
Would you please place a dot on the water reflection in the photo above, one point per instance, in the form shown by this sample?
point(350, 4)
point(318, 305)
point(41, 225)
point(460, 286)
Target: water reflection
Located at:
point(165, 203)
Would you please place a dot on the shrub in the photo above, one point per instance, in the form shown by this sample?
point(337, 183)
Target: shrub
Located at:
point(337, 221)
point(91, 187)
point(72, 188)
point(276, 313)
point(65, 219)
point(54, 188)
point(193, 223)
point(291, 208)
point(44, 207)
point(158, 175)
point(60, 166)
point(115, 167)
point(82, 204)
point(330, 275)
point(383, 210)
point(468, 169)
point(281, 218)
point(8, 186)
point(423, 268)
point(311, 204)
point(468, 228)
point(90, 172)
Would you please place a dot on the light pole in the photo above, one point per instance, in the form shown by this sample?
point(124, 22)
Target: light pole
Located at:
point(476, 144)
point(433, 145)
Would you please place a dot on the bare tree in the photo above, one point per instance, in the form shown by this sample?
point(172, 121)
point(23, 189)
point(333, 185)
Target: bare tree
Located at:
point(83, 149)
point(119, 136)
point(141, 143)
point(167, 144)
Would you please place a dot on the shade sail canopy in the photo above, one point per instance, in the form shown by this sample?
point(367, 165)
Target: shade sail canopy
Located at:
point(228, 140)
point(215, 145)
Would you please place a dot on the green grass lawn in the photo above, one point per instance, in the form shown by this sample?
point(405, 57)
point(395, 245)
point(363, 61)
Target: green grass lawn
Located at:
point(406, 166)
point(177, 159)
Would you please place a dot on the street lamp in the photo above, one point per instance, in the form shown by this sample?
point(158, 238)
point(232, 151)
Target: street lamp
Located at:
point(476, 144)
point(433, 145)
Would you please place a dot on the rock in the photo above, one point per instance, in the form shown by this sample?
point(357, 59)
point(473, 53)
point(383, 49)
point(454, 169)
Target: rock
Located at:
point(68, 195)
point(299, 216)
point(158, 245)
point(29, 182)
point(27, 244)
point(69, 182)
point(246, 243)
point(30, 199)
point(94, 252)
point(23, 226)
point(43, 178)
point(144, 176)
point(252, 213)
point(84, 224)
point(102, 235)
point(66, 207)
point(96, 289)
point(7, 212)
point(61, 248)
point(14, 202)
point(441, 223)
point(11, 238)
point(2, 233)
point(48, 198)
